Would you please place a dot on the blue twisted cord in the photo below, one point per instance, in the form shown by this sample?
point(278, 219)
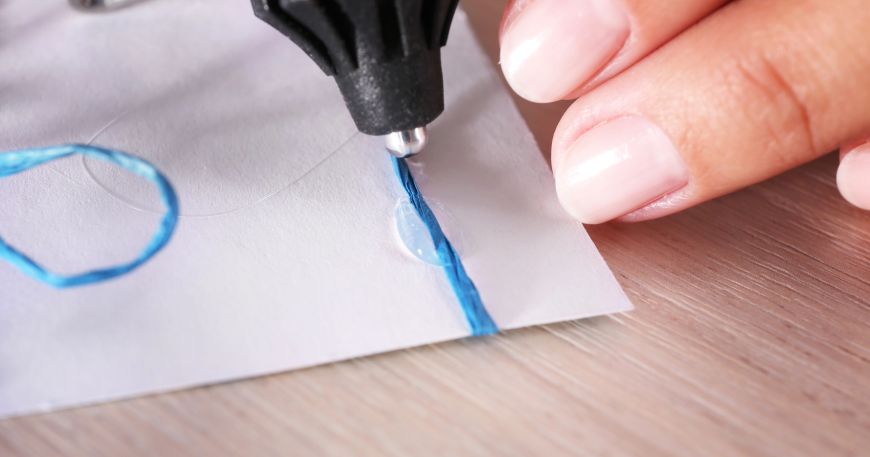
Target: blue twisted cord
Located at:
point(13, 162)
point(479, 320)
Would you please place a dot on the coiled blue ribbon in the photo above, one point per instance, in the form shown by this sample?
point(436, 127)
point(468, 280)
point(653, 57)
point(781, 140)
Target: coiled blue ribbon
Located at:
point(479, 320)
point(17, 161)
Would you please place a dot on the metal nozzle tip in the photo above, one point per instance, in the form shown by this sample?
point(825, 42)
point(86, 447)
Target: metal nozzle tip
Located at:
point(407, 142)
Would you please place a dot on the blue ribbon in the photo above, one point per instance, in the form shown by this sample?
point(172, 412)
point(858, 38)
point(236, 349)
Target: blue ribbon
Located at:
point(17, 161)
point(478, 318)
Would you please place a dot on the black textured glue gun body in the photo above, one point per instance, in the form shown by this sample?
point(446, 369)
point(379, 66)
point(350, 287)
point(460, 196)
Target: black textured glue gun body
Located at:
point(385, 56)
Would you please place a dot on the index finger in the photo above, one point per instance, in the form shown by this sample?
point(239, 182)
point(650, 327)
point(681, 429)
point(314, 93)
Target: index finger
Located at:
point(555, 49)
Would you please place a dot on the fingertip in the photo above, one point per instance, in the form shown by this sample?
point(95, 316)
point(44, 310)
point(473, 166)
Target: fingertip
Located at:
point(511, 11)
point(616, 168)
point(550, 47)
point(853, 175)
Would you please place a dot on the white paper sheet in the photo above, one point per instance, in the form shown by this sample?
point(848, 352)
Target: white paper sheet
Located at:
point(287, 256)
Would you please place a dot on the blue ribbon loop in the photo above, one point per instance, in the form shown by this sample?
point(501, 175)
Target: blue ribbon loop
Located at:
point(466, 292)
point(13, 162)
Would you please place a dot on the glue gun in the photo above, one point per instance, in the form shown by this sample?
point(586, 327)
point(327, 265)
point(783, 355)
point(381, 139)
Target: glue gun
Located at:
point(385, 56)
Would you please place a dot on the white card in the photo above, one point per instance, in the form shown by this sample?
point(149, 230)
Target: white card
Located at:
point(287, 255)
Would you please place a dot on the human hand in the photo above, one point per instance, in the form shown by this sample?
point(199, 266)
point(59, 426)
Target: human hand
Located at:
point(681, 101)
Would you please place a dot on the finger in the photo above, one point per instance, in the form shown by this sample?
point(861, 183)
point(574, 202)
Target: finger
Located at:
point(853, 174)
point(551, 49)
point(757, 88)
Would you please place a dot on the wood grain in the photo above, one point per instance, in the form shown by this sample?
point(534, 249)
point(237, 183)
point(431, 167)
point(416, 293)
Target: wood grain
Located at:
point(751, 337)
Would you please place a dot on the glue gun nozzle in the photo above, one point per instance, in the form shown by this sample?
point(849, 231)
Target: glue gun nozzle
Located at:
point(406, 142)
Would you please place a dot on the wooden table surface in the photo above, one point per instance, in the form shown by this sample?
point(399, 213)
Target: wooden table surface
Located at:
point(751, 337)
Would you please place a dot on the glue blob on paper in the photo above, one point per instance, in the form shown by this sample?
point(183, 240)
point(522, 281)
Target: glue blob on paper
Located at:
point(478, 318)
point(415, 237)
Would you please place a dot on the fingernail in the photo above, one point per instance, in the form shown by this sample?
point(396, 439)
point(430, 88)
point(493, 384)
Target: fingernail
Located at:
point(551, 47)
point(853, 176)
point(617, 167)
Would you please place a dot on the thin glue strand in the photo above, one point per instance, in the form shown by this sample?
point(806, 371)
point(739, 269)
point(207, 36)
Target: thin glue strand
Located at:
point(478, 318)
point(14, 162)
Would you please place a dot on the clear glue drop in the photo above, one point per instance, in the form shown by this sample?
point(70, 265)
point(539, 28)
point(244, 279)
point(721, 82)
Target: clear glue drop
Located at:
point(414, 235)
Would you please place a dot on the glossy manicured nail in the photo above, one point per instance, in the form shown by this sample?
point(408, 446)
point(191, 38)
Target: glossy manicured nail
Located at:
point(853, 176)
point(551, 47)
point(617, 167)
